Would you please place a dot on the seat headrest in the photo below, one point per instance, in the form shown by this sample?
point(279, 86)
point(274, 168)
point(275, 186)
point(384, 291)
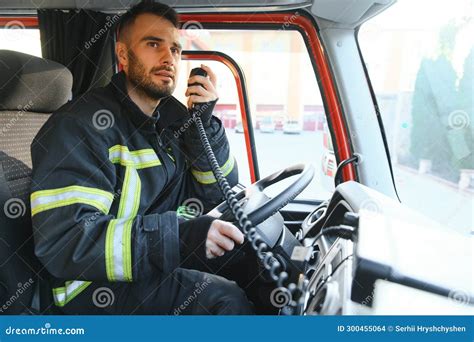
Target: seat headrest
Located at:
point(32, 84)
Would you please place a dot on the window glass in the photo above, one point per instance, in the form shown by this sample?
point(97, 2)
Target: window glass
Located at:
point(227, 108)
point(14, 36)
point(422, 73)
point(285, 102)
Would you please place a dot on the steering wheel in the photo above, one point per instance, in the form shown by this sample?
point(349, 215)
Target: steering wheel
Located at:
point(259, 206)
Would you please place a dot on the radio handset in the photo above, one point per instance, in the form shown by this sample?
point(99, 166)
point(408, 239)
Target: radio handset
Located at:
point(262, 250)
point(195, 110)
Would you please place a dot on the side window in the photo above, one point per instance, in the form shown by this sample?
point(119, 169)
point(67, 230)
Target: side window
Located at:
point(422, 74)
point(15, 36)
point(227, 108)
point(285, 102)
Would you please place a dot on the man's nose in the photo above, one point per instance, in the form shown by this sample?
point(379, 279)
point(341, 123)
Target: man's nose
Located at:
point(167, 58)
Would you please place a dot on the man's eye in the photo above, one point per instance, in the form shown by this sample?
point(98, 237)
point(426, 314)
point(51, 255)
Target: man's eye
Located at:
point(175, 50)
point(153, 44)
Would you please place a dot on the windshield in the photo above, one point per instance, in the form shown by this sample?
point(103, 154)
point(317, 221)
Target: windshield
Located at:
point(422, 73)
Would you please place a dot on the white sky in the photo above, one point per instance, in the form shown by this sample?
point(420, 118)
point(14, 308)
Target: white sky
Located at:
point(422, 18)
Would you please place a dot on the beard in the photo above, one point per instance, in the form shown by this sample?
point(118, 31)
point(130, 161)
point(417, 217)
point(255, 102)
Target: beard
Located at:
point(142, 81)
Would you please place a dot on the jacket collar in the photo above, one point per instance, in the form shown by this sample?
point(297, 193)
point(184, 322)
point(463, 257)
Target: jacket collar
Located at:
point(169, 111)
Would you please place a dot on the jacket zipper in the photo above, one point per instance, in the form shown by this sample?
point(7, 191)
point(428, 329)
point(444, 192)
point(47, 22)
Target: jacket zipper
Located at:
point(159, 150)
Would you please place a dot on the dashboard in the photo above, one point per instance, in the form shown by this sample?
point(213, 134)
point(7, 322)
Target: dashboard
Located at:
point(395, 250)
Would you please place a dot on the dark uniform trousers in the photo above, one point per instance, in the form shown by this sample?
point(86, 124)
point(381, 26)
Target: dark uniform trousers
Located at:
point(182, 292)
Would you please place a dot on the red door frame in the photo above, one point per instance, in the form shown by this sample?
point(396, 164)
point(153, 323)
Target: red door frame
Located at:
point(307, 27)
point(30, 22)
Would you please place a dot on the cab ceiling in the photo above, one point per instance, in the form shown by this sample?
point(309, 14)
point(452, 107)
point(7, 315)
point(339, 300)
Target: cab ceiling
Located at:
point(328, 13)
point(120, 5)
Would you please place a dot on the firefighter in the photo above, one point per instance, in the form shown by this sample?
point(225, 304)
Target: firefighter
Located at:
point(111, 169)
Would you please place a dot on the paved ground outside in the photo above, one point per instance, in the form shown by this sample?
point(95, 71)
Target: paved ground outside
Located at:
point(444, 203)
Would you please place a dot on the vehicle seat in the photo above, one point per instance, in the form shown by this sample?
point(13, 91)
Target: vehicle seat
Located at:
point(31, 88)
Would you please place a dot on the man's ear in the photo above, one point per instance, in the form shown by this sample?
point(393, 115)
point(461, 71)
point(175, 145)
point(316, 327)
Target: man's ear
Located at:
point(121, 52)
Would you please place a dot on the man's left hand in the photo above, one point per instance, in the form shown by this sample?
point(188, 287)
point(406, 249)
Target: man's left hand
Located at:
point(222, 237)
point(206, 91)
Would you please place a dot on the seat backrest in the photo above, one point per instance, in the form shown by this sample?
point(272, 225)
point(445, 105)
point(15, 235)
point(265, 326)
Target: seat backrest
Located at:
point(31, 88)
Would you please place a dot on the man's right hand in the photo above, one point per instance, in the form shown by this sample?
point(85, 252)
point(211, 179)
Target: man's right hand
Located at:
point(222, 237)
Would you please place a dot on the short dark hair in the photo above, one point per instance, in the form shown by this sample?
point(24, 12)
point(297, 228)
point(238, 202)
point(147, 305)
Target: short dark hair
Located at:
point(151, 7)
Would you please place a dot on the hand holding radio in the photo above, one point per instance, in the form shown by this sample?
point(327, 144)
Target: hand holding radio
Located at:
point(202, 93)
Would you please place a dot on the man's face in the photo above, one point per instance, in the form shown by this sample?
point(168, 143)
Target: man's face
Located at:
point(152, 56)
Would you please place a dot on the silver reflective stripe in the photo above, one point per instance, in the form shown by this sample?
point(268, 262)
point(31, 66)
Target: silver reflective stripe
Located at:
point(49, 199)
point(118, 250)
point(118, 241)
point(64, 295)
point(131, 189)
point(207, 177)
point(139, 159)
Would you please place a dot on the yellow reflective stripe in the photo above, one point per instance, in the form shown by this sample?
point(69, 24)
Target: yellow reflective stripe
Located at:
point(139, 159)
point(208, 177)
point(118, 252)
point(63, 295)
point(71, 201)
point(71, 188)
point(118, 244)
point(48, 199)
point(54, 198)
point(131, 190)
point(109, 250)
point(127, 251)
